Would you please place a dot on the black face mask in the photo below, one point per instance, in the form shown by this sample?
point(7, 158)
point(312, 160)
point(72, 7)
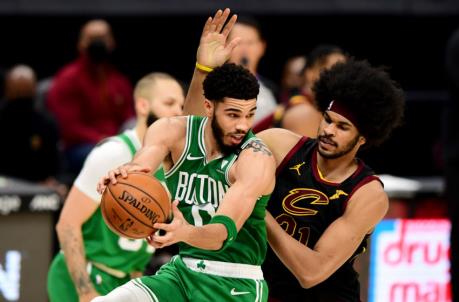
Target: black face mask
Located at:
point(244, 61)
point(98, 51)
point(151, 118)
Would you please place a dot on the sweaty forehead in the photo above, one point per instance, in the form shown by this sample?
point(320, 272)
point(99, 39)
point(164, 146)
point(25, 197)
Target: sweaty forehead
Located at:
point(242, 105)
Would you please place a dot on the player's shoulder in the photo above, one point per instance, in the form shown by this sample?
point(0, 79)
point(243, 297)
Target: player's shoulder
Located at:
point(112, 149)
point(370, 193)
point(279, 141)
point(175, 122)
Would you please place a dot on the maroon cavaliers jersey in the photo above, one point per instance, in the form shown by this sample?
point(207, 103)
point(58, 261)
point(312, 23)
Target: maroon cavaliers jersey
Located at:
point(305, 204)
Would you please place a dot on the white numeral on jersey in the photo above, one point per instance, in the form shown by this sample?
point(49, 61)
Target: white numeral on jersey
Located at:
point(206, 207)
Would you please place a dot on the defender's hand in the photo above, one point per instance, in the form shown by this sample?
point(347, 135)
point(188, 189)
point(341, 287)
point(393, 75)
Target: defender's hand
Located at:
point(214, 49)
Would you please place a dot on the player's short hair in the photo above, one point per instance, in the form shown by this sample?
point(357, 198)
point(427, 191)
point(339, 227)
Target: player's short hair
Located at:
point(374, 99)
point(231, 81)
point(143, 88)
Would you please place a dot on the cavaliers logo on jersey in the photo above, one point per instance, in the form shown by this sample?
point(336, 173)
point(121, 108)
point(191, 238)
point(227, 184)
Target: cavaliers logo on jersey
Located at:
point(297, 201)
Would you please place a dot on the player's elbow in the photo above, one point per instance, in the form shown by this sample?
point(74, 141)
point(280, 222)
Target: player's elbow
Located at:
point(309, 280)
point(312, 276)
point(63, 227)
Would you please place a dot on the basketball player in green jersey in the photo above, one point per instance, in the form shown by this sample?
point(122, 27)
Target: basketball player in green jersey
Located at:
point(361, 105)
point(220, 176)
point(94, 260)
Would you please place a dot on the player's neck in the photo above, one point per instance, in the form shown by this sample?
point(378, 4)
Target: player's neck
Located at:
point(140, 129)
point(210, 142)
point(337, 169)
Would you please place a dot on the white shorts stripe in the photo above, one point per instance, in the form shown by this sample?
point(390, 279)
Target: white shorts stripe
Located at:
point(139, 286)
point(257, 290)
point(145, 289)
point(224, 269)
point(149, 290)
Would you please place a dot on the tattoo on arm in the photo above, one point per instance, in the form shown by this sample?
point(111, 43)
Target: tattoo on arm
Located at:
point(258, 146)
point(72, 245)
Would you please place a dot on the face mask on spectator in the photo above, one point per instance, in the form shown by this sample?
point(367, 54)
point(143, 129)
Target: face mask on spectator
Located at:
point(98, 51)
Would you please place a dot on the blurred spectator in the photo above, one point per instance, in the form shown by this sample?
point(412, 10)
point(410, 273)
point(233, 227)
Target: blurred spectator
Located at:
point(292, 78)
point(89, 97)
point(248, 53)
point(451, 155)
point(29, 137)
point(302, 107)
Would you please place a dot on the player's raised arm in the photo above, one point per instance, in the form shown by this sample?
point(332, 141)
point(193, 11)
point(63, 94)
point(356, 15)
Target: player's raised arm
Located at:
point(213, 51)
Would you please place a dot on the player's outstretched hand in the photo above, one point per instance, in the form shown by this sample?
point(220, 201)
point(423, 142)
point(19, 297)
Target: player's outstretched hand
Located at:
point(121, 170)
point(214, 49)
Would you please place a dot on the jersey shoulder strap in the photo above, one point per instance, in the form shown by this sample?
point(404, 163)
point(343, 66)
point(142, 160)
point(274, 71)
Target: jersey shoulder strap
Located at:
point(128, 142)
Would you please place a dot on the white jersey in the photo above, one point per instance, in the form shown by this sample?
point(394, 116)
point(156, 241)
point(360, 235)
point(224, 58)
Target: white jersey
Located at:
point(104, 157)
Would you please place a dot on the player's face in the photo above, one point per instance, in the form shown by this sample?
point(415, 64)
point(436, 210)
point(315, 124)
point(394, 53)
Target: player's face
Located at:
point(166, 100)
point(250, 49)
point(337, 136)
point(231, 121)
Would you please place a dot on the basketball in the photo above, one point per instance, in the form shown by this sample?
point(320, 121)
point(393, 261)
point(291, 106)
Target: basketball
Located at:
point(134, 204)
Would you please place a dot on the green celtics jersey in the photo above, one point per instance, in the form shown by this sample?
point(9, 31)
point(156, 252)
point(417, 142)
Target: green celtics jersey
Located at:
point(102, 246)
point(199, 186)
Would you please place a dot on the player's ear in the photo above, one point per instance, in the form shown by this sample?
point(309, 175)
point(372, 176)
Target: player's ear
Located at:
point(142, 106)
point(209, 108)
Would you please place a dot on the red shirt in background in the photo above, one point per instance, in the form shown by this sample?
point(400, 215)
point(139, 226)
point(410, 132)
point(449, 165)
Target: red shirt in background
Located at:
point(89, 103)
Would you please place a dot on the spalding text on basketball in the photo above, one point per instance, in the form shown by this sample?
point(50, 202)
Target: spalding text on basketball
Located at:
point(130, 199)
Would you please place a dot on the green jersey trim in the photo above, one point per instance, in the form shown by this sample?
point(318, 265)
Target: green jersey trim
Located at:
point(201, 143)
point(182, 157)
point(128, 142)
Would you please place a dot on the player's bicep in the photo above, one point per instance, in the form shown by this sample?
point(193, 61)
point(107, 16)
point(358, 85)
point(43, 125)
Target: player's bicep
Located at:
point(254, 177)
point(256, 169)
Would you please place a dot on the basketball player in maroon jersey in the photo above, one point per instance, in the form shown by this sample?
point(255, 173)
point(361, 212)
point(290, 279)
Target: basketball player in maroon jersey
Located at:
point(326, 201)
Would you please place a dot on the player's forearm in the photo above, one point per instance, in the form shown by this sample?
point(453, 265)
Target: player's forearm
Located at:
point(208, 237)
point(303, 262)
point(71, 242)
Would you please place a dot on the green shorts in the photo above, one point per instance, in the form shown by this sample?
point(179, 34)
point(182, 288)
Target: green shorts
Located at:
point(188, 279)
point(61, 287)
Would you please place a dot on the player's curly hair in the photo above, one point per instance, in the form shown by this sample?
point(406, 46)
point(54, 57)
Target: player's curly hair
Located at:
point(375, 100)
point(232, 81)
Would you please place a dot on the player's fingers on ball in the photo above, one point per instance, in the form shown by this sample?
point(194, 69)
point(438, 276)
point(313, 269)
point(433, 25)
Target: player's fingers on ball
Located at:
point(123, 172)
point(162, 226)
point(113, 175)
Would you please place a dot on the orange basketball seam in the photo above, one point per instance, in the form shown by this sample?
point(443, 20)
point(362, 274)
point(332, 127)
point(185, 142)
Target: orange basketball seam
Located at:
point(133, 216)
point(154, 199)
